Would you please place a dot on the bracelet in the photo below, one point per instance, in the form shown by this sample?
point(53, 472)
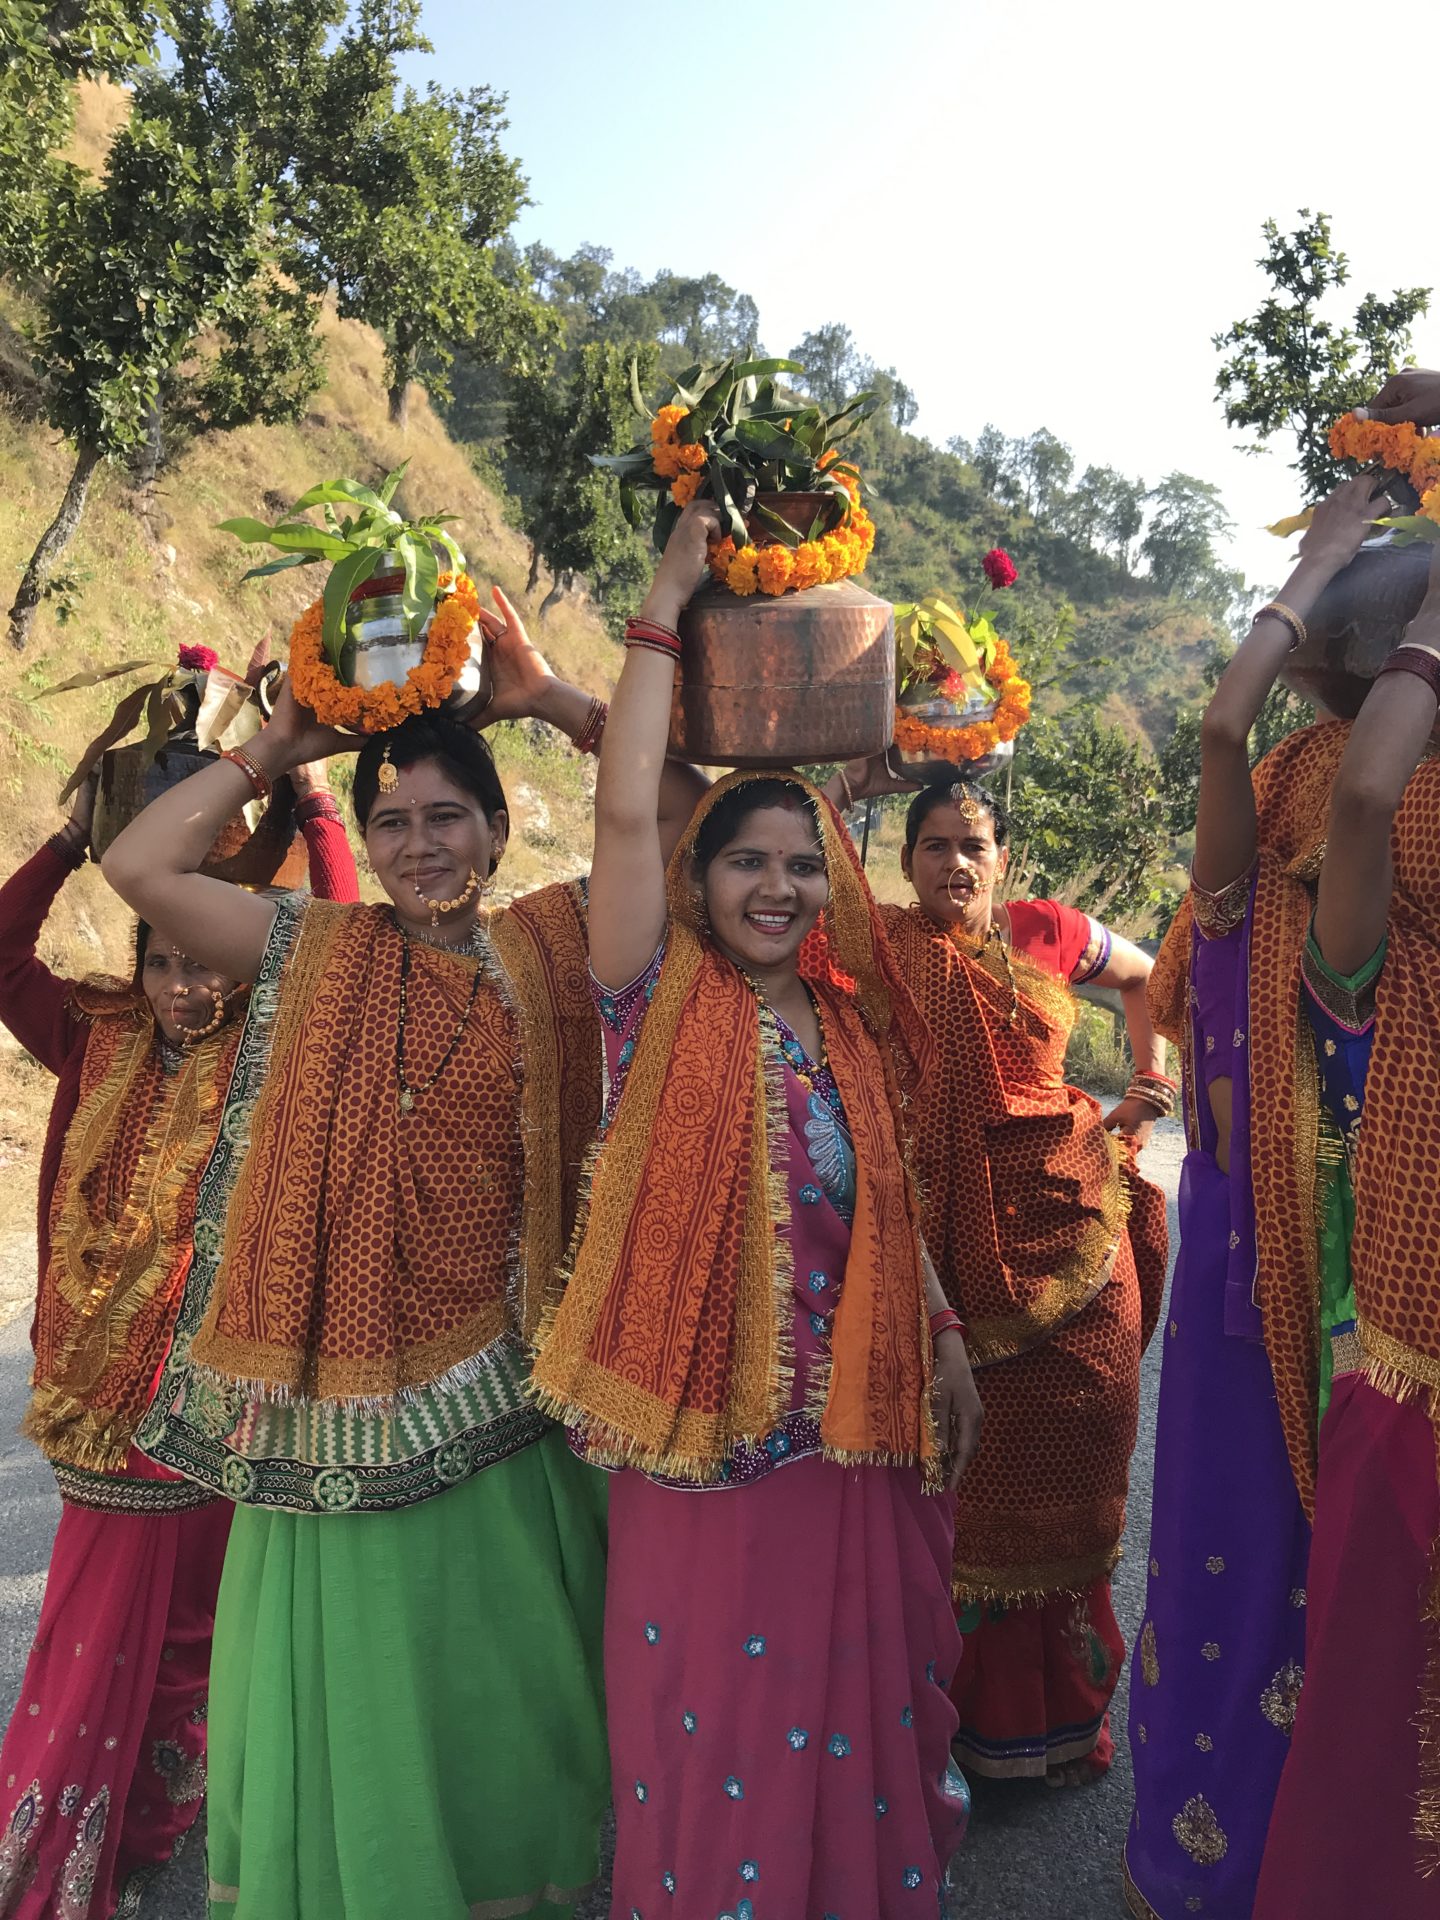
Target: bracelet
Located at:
point(1418, 646)
point(946, 1320)
point(587, 740)
point(1162, 1099)
point(672, 654)
point(318, 806)
point(1159, 1079)
point(257, 776)
point(1298, 633)
point(651, 630)
point(72, 850)
point(1422, 663)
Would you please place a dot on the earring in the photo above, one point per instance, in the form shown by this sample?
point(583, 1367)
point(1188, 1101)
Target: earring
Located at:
point(473, 886)
point(387, 779)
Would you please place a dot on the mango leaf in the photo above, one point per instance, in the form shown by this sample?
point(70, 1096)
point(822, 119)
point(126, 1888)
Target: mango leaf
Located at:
point(391, 482)
point(280, 566)
point(94, 679)
point(759, 369)
point(960, 654)
point(347, 574)
point(115, 728)
point(158, 717)
point(1410, 527)
point(637, 399)
point(732, 520)
point(666, 514)
point(771, 443)
point(984, 636)
point(1293, 523)
point(903, 610)
point(451, 546)
point(422, 576)
point(336, 491)
point(782, 529)
point(630, 503)
point(252, 532)
point(299, 538)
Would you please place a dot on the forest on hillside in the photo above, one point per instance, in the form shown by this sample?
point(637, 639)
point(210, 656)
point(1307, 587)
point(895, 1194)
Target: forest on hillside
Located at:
point(168, 286)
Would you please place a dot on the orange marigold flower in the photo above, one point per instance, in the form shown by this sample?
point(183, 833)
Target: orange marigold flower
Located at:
point(666, 420)
point(811, 566)
point(376, 709)
point(719, 554)
point(775, 566)
point(741, 575)
point(666, 461)
point(686, 486)
point(1430, 503)
point(691, 456)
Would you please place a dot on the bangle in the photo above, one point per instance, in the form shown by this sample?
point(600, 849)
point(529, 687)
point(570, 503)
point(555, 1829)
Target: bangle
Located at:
point(1420, 661)
point(1418, 646)
point(72, 850)
point(946, 1320)
point(1159, 1079)
point(257, 776)
point(318, 806)
point(672, 654)
point(665, 638)
point(1298, 633)
point(587, 740)
point(1161, 1098)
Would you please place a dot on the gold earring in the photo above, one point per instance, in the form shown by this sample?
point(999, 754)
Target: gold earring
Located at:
point(387, 779)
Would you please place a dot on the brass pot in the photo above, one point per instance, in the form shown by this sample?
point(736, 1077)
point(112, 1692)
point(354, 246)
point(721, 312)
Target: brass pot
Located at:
point(784, 681)
point(1356, 621)
point(273, 855)
point(377, 647)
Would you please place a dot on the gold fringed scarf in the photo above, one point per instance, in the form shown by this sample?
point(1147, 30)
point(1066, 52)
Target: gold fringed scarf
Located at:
point(669, 1343)
point(120, 1225)
point(369, 1251)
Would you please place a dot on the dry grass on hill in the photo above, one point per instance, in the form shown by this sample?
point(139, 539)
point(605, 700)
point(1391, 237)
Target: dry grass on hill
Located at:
point(139, 594)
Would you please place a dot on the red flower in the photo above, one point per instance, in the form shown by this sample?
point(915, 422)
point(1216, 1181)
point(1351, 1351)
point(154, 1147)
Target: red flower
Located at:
point(999, 568)
point(199, 659)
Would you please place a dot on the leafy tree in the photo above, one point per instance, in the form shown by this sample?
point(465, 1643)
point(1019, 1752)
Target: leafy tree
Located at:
point(995, 462)
point(1044, 465)
point(571, 511)
point(836, 370)
point(1179, 546)
point(1090, 815)
point(1290, 369)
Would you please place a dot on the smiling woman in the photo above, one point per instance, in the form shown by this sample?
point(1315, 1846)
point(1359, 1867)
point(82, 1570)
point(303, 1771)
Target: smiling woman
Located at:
point(745, 1331)
point(400, 1162)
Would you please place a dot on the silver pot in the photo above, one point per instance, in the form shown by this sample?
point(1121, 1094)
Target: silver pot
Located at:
point(378, 649)
point(937, 711)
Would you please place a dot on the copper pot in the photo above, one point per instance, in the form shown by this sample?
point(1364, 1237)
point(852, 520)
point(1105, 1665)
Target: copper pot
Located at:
point(799, 511)
point(1356, 621)
point(273, 855)
point(784, 681)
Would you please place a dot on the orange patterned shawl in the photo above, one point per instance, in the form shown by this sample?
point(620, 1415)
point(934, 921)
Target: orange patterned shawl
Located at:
point(1292, 798)
point(367, 1251)
point(670, 1342)
point(120, 1224)
point(1026, 1196)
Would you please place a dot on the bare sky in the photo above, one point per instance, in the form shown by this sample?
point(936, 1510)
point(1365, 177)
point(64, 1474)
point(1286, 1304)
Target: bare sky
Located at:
point(1039, 214)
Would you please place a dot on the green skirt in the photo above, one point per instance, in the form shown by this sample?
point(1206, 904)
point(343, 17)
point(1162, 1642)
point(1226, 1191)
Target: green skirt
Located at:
point(406, 1710)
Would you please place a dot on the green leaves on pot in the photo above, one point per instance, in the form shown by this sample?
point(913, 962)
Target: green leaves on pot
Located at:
point(933, 637)
point(758, 436)
point(356, 545)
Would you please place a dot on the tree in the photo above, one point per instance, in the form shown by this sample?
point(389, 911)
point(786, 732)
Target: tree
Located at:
point(1188, 518)
point(1090, 817)
point(1290, 369)
point(571, 509)
point(1044, 465)
point(995, 462)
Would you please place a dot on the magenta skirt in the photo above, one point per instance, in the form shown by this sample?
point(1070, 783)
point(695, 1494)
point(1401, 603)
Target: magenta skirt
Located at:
point(777, 1660)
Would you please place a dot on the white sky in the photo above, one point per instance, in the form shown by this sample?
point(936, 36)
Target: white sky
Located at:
point(1040, 214)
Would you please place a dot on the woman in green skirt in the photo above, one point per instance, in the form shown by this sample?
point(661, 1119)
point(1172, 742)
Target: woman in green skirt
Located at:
point(406, 1712)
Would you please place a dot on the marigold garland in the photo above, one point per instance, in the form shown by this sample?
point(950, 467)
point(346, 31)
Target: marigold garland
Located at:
point(957, 744)
point(377, 709)
point(1402, 448)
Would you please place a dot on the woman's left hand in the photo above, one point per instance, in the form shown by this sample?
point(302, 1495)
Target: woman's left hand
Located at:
point(1135, 1119)
point(956, 1406)
point(520, 675)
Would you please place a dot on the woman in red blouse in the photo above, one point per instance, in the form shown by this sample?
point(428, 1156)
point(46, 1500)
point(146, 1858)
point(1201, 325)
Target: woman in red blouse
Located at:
point(103, 1766)
point(1053, 1249)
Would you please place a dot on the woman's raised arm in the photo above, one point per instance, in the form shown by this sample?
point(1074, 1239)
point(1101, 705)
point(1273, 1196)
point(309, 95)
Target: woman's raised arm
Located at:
point(1225, 817)
point(1385, 746)
point(627, 881)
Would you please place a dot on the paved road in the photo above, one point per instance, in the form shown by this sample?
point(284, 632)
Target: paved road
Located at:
point(1033, 1853)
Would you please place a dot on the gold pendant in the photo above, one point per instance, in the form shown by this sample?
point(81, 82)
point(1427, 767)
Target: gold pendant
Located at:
point(407, 1100)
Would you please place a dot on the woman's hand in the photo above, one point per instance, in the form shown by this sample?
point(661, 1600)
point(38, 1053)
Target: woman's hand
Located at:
point(1342, 521)
point(1135, 1119)
point(292, 736)
point(78, 827)
point(683, 563)
point(955, 1405)
point(1412, 394)
point(868, 779)
point(522, 683)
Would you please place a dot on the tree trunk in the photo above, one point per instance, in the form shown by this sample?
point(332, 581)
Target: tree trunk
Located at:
point(534, 568)
point(400, 404)
point(52, 544)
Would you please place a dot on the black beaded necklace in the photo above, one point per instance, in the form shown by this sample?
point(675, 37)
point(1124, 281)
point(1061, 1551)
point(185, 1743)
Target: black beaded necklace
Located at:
point(407, 1092)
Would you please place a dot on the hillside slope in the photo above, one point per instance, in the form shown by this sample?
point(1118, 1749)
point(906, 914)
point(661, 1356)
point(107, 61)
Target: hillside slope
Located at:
point(145, 586)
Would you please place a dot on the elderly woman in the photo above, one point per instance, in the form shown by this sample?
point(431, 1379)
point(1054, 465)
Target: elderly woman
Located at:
point(1053, 1248)
point(104, 1760)
point(407, 1704)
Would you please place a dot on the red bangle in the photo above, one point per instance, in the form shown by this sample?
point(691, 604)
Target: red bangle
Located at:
point(1163, 1078)
point(257, 776)
point(653, 633)
point(672, 654)
point(1421, 662)
point(587, 740)
point(317, 806)
point(947, 1321)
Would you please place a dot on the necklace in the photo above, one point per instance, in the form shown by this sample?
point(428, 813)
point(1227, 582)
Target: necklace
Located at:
point(1003, 947)
point(473, 945)
point(172, 1055)
point(796, 1058)
point(407, 1092)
